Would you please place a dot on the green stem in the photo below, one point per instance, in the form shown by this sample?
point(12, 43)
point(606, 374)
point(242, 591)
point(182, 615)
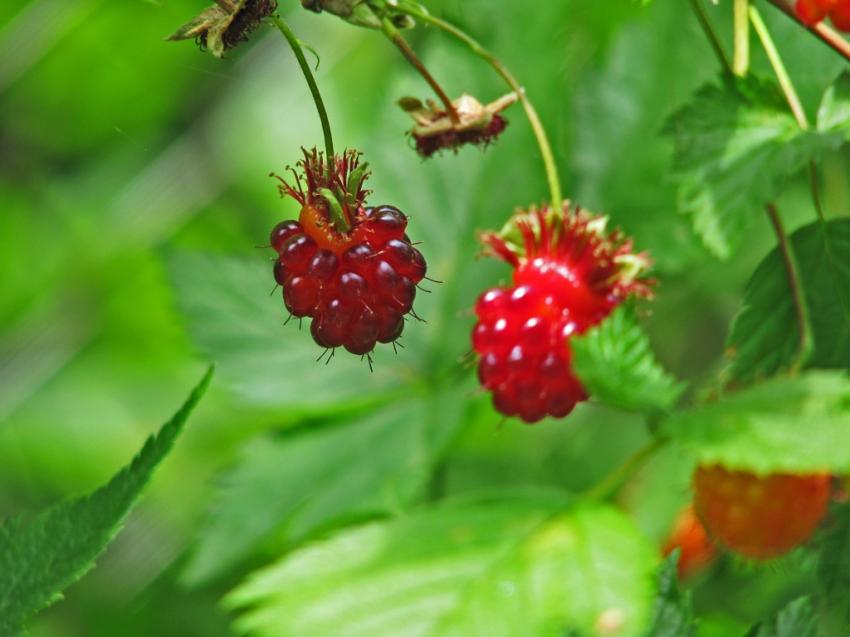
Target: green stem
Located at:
point(741, 57)
point(711, 34)
point(779, 69)
point(314, 88)
point(609, 485)
point(795, 283)
point(791, 96)
point(396, 38)
point(531, 113)
point(814, 184)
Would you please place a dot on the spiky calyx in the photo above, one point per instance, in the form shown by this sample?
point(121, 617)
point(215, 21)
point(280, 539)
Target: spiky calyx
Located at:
point(569, 275)
point(760, 517)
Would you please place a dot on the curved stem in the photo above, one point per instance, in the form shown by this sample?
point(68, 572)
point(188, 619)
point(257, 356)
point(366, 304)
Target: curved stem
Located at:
point(827, 35)
point(741, 57)
point(396, 38)
point(606, 487)
point(531, 113)
point(711, 34)
point(779, 69)
point(314, 88)
point(795, 283)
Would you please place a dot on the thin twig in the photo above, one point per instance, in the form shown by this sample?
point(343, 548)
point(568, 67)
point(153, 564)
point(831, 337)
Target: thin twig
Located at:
point(795, 283)
point(711, 34)
point(531, 113)
point(814, 184)
point(827, 35)
point(311, 82)
point(396, 38)
point(779, 69)
point(741, 57)
point(609, 485)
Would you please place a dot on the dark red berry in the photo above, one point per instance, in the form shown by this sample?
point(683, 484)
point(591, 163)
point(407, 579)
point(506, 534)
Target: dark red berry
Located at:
point(564, 283)
point(356, 283)
point(282, 232)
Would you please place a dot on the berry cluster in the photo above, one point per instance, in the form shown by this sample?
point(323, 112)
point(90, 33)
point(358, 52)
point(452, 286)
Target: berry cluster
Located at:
point(350, 268)
point(760, 517)
point(570, 277)
point(813, 11)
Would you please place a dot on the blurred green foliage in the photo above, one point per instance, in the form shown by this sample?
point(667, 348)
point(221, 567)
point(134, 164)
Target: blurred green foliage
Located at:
point(134, 189)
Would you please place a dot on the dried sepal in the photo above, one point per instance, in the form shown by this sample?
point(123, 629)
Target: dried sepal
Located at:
point(224, 25)
point(472, 122)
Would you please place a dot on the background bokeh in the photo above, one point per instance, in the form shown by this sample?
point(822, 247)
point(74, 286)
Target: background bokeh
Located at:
point(134, 190)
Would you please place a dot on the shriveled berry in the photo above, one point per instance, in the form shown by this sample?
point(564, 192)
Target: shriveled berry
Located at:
point(566, 282)
point(283, 231)
point(357, 279)
point(760, 517)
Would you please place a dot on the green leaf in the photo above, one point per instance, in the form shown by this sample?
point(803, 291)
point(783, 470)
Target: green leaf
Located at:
point(795, 620)
point(834, 572)
point(234, 320)
point(736, 146)
point(615, 363)
point(42, 555)
point(295, 484)
point(798, 425)
point(765, 335)
point(674, 613)
point(523, 566)
point(834, 111)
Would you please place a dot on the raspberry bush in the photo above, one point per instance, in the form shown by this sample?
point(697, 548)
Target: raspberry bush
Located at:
point(624, 223)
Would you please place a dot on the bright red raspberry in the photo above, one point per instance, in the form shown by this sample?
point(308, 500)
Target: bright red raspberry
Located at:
point(569, 278)
point(760, 517)
point(690, 537)
point(840, 15)
point(354, 272)
point(811, 12)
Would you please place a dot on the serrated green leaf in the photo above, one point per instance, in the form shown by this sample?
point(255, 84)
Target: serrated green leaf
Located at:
point(765, 335)
point(42, 555)
point(798, 425)
point(523, 566)
point(834, 572)
point(736, 146)
point(674, 613)
point(615, 363)
point(296, 483)
point(834, 111)
point(795, 620)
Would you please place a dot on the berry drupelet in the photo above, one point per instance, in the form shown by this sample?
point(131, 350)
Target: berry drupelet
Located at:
point(568, 276)
point(349, 267)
